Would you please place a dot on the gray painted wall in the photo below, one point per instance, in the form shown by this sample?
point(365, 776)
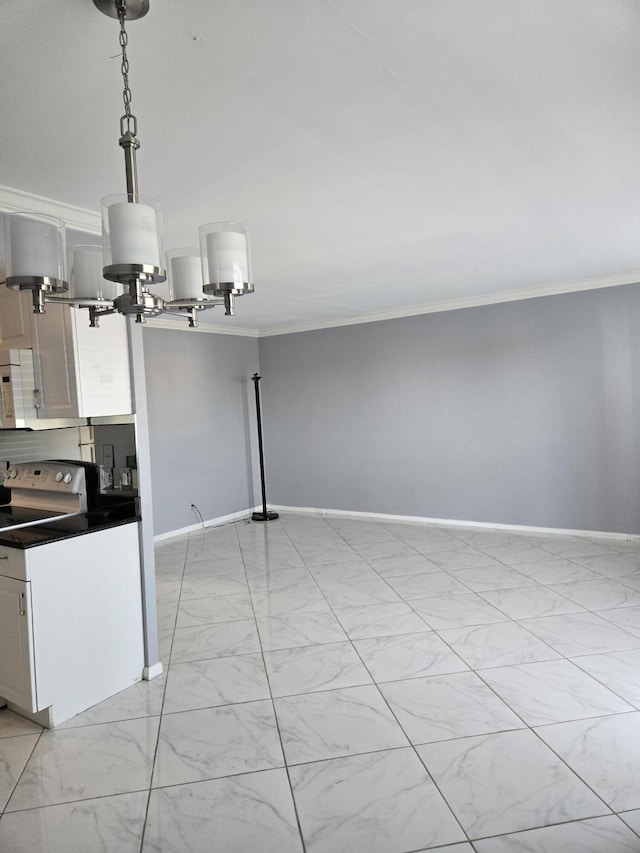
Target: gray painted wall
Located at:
point(200, 423)
point(520, 413)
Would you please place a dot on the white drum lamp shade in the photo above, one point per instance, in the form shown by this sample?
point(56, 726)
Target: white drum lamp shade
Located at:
point(35, 246)
point(226, 257)
point(85, 271)
point(131, 231)
point(185, 274)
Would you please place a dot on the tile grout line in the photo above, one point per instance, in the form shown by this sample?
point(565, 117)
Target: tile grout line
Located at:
point(22, 772)
point(526, 726)
point(411, 745)
point(145, 819)
point(273, 705)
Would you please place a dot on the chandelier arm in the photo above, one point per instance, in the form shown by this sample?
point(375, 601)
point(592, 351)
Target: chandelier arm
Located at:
point(189, 313)
point(95, 313)
point(80, 301)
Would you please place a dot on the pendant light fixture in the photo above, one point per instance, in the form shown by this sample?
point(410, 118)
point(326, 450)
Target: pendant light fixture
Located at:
point(132, 261)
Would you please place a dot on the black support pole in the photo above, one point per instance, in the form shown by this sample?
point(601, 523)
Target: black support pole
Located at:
point(264, 515)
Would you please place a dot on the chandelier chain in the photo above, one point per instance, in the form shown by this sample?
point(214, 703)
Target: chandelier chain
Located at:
point(128, 121)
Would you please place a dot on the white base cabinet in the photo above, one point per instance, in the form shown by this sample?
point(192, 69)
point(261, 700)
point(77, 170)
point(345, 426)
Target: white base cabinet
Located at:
point(17, 676)
point(70, 622)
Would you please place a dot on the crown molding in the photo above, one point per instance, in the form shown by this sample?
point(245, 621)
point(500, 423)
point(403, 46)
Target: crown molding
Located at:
point(169, 322)
point(12, 200)
point(89, 221)
point(555, 289)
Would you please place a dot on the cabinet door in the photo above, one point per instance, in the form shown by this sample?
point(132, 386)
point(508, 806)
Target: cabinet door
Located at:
point(80, 372)
point(102, 367)
point(17, 682)
point(16, 310)
point(54, 363)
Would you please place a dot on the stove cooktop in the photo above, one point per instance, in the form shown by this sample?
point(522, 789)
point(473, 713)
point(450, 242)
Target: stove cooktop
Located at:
point(44, 527)
point(14, 517)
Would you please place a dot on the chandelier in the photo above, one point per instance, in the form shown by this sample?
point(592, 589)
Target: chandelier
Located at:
point(117, 276)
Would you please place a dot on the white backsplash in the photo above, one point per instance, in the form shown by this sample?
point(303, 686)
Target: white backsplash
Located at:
point(26, 446)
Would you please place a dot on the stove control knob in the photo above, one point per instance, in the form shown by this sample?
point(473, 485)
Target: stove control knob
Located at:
point(12, 473)
point(59, 476)
point(67, 477)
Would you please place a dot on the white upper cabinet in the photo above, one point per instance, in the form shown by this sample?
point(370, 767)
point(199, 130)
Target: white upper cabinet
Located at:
point(15, 319)
point(80, 372)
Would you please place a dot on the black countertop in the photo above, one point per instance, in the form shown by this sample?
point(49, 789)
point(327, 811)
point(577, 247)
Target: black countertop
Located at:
point(110, 515)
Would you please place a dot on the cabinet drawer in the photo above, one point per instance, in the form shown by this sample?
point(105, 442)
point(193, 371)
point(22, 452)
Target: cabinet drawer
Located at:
point(13, 563)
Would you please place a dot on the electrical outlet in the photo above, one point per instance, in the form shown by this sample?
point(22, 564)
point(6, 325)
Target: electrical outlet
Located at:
point(107, 455)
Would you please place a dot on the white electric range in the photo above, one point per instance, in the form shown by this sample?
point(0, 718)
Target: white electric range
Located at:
point(42, 492)
point(70, 596)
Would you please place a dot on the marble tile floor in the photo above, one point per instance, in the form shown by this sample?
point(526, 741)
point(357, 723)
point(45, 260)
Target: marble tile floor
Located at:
point(341, 684)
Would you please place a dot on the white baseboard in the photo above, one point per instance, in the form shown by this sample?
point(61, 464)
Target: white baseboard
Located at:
point(448, 522)
point(151, 672)
point(211, 522)
point(411, 519)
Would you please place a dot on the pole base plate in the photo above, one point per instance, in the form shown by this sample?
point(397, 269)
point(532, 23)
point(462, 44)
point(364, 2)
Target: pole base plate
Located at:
point(265, 516)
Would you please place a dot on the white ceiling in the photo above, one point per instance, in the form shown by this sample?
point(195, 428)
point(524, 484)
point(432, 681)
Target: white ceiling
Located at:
point(385, 153)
